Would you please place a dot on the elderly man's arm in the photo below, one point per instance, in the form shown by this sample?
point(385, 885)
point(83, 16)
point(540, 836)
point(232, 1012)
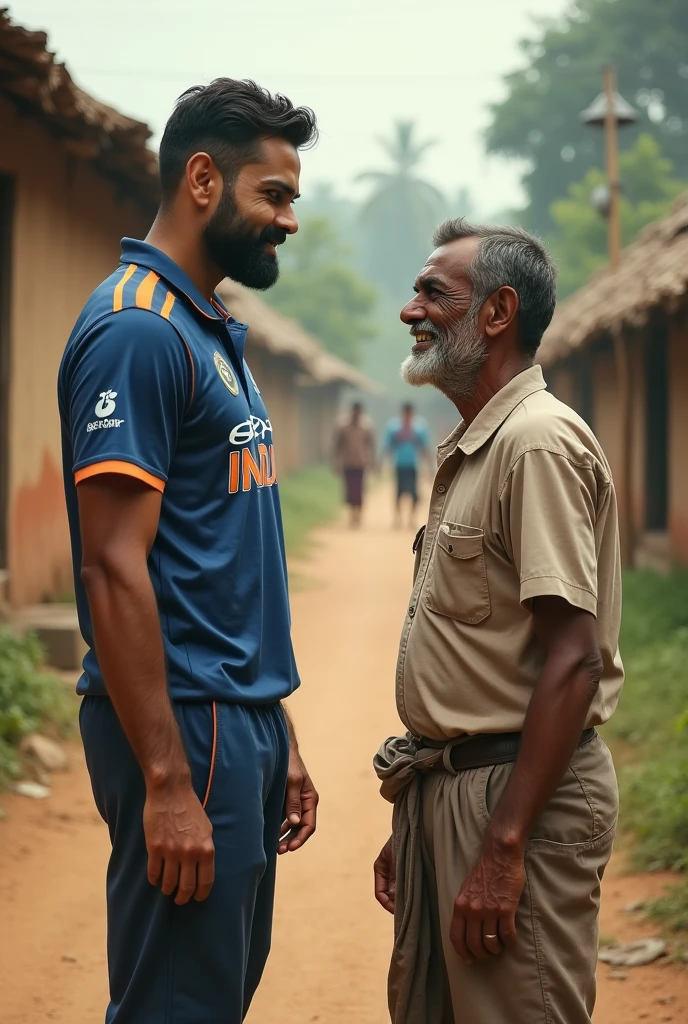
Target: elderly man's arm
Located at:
point(555, 720)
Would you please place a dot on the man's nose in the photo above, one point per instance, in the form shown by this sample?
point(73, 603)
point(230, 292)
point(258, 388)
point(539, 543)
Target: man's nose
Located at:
point(412, 312)
point(287, 222)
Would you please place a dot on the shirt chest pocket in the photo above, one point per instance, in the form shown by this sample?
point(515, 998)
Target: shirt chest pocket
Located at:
point(457, 581)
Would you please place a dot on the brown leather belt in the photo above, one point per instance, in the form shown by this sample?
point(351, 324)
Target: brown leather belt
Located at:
point(484, 750)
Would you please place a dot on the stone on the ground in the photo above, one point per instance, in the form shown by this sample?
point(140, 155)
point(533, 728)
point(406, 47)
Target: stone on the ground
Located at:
point(69, 958)
point(49, 755)
point(632, 908)
point(32, 789)
point(618, 975)
point(634, 954)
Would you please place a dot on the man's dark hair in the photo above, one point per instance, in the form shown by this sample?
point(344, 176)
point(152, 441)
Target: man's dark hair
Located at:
point(227, 119)
point(407, 407)
point(509, 256)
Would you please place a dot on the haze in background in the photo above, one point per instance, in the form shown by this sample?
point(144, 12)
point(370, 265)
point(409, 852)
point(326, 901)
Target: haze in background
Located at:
point(361, 64)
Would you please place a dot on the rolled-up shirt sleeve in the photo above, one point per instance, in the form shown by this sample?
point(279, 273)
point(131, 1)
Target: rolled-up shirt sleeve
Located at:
point(127, 387)
point(549, 505)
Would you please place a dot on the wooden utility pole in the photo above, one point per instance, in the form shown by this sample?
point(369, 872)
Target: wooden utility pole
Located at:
point(612, 147)
point(623, 362)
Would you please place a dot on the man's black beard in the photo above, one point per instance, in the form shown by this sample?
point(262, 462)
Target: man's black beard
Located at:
point(237, 250)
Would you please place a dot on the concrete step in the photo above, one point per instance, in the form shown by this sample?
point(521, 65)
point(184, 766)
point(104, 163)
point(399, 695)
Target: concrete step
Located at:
point(57, 628)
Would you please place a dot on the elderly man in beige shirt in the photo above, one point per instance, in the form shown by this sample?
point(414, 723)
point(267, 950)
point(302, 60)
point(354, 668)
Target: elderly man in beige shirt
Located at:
point(505, 795)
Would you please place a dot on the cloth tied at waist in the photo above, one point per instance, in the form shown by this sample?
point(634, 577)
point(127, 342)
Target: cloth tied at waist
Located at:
point(415, 988)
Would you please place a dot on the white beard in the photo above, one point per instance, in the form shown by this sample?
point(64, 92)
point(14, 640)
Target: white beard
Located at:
point(452, 364)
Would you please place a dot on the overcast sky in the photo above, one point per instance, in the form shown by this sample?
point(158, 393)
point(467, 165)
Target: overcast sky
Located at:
point(360, 64)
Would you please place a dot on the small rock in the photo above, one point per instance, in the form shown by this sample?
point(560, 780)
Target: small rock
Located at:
point(666, 1018)
point(634, 954)
point(633, 908)
point(32, 789)
point(69, 958)
point(49, 755)
point(667, 1000)
point(618, 975)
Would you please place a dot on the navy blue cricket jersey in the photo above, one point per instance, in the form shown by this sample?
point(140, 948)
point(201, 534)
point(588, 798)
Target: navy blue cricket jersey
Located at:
point(153, 384)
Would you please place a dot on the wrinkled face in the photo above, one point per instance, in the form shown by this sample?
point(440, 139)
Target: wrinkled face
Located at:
point(255, 215)
point(449, 350)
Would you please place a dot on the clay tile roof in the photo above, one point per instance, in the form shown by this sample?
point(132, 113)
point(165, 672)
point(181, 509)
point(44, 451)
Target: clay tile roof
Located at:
point(653, 272)
point(40, 86)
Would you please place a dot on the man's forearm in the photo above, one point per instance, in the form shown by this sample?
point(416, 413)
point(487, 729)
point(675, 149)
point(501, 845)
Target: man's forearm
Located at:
point(552, 730)
point(129, 646)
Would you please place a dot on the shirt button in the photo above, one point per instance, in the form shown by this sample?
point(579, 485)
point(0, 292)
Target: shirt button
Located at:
point(412, 610)
point(441, 489)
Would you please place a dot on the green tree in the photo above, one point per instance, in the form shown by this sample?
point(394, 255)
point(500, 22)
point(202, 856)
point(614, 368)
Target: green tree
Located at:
point(538, 121)
point(401, 213)
point(319, 288)
point(580, 237)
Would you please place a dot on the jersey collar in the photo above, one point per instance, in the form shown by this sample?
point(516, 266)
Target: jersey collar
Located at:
point(145, 255)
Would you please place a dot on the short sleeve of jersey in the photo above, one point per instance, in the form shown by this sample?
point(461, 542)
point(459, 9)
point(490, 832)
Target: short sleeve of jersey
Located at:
point(549, 508)
point(124, 391)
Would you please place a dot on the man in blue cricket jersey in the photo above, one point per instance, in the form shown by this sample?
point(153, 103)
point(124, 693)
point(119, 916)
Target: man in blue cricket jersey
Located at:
point(171, 488)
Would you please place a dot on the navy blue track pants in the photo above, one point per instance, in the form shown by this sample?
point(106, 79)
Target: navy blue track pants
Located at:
point(199, 963)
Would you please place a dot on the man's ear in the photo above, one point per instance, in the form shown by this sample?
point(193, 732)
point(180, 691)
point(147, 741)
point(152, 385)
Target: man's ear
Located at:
point(201, 175)
point(500, 310)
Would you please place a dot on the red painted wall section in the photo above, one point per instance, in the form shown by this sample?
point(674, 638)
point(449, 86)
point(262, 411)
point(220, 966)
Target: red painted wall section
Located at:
point(39, 557)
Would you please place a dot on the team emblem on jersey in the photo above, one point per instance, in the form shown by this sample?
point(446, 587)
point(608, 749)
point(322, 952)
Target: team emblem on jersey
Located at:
point(227, 375)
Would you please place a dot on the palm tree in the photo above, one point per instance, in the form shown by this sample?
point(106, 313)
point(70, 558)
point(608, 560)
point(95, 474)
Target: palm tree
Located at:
point(399, 216)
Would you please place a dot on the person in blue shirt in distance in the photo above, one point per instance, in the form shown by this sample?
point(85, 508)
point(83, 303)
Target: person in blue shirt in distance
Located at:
point(407, 442)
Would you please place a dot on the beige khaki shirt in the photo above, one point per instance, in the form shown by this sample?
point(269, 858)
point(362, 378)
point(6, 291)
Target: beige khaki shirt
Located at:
point(523, 505)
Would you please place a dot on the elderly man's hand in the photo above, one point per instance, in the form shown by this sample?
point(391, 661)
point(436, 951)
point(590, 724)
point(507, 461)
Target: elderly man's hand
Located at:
point(484, 920)
point(386, 876)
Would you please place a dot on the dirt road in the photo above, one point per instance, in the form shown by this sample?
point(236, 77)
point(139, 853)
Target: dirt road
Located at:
point(331, 943)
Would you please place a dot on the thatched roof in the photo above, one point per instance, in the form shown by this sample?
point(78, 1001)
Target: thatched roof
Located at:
point(653, 273)
point(43, 88)
point(284, 337)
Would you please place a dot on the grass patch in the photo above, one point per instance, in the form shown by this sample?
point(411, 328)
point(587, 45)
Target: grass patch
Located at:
point(310, 497)
point(649, 728)
point(31, 699)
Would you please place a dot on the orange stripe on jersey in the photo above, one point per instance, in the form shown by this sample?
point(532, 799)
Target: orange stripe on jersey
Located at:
point(123, 468)
point(144, 292)
point(167, 306)
point(119, 290)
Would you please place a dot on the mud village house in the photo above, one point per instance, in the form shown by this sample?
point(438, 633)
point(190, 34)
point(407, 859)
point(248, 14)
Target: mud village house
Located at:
point(617, 351)
point(76, 176)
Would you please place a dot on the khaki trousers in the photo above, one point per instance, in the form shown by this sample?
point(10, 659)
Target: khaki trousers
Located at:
point(548, 977)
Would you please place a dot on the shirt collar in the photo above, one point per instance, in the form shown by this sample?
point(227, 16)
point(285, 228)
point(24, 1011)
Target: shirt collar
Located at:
point(145, 255)
point(488, 421)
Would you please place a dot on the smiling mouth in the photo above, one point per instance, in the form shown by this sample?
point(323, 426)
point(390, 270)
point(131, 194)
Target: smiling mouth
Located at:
point(423, 341)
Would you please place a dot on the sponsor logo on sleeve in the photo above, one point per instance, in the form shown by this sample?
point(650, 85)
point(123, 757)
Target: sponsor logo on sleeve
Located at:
point(104, 410)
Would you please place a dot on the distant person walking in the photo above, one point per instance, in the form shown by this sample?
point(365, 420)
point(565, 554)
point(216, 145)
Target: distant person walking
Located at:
point(407, 440)
point(354, 455)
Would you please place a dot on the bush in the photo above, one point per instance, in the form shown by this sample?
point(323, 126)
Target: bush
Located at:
point(30, 699)
point(651, 719)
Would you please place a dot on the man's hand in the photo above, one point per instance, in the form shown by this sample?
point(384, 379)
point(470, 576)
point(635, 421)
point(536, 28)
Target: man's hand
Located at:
point(181, 854)
point(300, 805)
point(484, 920)
point(386, 876)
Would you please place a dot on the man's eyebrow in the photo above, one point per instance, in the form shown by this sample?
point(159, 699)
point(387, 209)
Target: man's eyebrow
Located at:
point(282, 186)
point(431, 282)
